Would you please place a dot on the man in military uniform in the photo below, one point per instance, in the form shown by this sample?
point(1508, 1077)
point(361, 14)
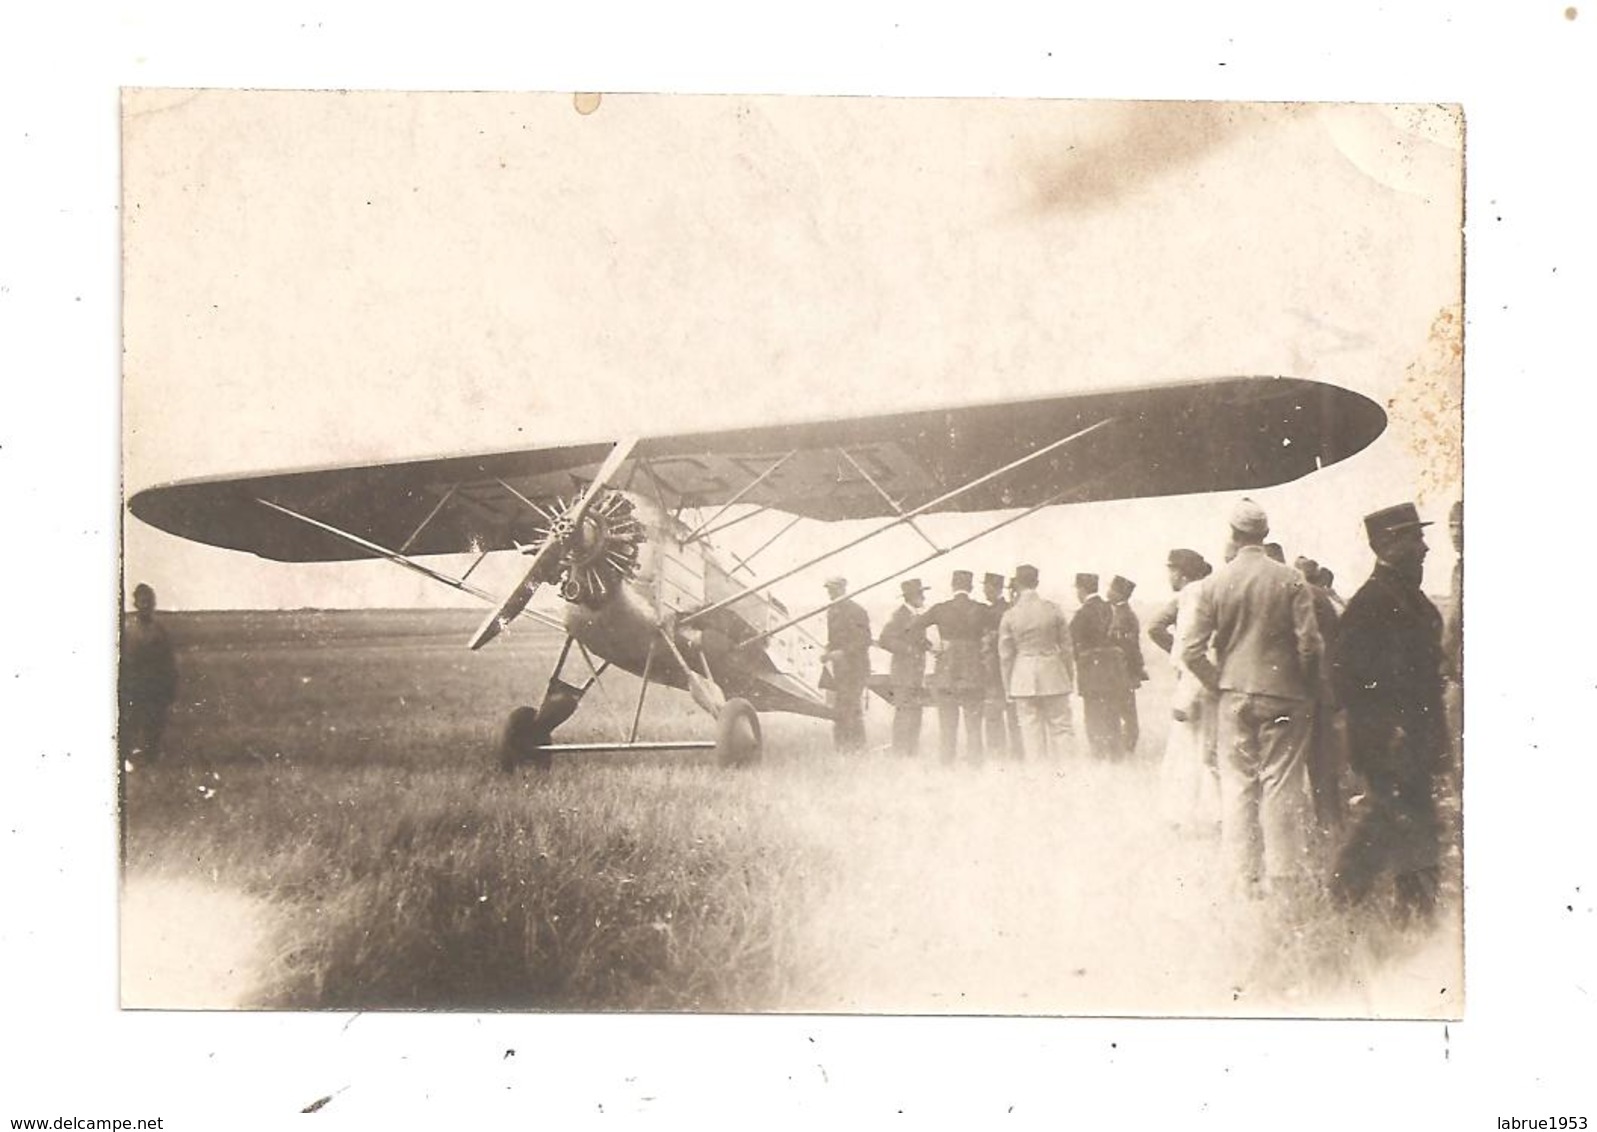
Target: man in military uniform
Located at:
point(1259, 614)
point(958, 681)
point(848, 666)
point(148, 681)
point(1100, 669)
point(1038, 668)
point(1003, 719)
point(1125, 632)
point(1388, 671)
point(908, 646)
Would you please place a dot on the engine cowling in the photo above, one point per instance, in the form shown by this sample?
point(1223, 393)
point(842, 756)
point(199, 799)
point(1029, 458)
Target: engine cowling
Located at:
point(597, 554)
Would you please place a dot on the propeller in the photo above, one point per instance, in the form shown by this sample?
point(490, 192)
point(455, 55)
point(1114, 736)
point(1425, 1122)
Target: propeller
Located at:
point(565, 527)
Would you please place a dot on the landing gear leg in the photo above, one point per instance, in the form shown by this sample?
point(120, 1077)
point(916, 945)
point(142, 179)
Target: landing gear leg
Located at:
point(530, 728)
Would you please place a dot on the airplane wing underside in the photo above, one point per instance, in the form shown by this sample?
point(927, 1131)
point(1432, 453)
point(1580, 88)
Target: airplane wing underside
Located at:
point(1214, 435)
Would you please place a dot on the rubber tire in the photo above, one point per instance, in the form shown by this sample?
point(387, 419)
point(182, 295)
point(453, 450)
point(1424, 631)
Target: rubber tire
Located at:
point(518, 744)
point(738, 741)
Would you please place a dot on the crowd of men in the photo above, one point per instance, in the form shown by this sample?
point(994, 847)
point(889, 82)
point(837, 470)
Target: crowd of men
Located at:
point(1314, 733)
point(1003, 669)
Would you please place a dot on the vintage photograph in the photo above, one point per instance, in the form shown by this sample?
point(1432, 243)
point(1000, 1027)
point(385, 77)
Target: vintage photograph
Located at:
point(791, 555)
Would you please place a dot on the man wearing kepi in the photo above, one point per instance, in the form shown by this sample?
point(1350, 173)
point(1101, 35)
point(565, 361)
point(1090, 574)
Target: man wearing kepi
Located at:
point(1388, 669)
point(1260, 616)
point(957, 680)
point(908, 647)
point(1038, 669)
point(1101, 675)
point(1126, 634)
point(848, 664)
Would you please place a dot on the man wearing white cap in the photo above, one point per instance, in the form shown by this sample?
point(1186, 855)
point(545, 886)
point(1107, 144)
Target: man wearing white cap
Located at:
point(1259, 614)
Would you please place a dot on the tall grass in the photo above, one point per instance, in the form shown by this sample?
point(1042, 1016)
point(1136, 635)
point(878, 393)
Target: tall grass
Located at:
point(343, 783)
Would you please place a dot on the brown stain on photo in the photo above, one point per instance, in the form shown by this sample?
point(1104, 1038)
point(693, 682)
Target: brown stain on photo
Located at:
point(1427, 412)
point(586, 102)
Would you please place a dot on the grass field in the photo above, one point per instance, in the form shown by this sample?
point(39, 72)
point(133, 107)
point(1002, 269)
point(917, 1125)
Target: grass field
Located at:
point(328, 831)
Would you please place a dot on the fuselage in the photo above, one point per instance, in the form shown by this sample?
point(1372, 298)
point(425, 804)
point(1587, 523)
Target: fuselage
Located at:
point(675, 576)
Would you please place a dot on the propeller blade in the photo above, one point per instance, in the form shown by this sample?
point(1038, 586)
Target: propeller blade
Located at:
point(512, 606)
point(550, 546)
point(601, 480)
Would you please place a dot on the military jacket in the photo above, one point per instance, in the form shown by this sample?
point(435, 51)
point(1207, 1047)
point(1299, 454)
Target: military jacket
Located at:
point(960, 623)
point(1388, 673)
point(1034, 643)
point(1100, 664)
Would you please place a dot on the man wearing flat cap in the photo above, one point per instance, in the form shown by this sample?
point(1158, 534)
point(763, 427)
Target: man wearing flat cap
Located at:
point(957, 679)
point(1038, 667)
point(1101, 674)
point(908, 646)
point(1258, 615)
point(1125, 633)
point(1388, 671)
point(1003, 719)
point(848, 665)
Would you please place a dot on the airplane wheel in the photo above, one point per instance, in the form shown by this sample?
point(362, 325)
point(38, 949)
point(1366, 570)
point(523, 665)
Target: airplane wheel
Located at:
point(522, 737)
point(737, 734)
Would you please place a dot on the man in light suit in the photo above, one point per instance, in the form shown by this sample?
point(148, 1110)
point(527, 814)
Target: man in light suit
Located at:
point(1260, 616)
point(1038, 667)
point(908, 646)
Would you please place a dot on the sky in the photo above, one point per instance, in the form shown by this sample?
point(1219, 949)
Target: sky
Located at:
point(328, 278)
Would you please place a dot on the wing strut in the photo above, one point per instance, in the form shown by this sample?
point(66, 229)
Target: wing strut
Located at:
point(903, 518)
point(755, 553)
point(983, 533)
point(891, 502)
point(431, 515)
point(393, 556)
point(748, 487)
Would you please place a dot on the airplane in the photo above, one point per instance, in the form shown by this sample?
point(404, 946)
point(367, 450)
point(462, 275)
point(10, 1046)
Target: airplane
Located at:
point(644, 589)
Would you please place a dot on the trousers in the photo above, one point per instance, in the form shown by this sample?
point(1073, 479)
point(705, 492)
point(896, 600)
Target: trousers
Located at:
point(1045, 722)
point(1264, 786)
point(1003, 726)
point(1101, 714)
point(950, 706)
point(907, 721)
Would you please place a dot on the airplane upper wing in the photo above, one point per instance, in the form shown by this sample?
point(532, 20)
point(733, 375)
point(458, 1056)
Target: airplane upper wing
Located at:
point(1224, 434)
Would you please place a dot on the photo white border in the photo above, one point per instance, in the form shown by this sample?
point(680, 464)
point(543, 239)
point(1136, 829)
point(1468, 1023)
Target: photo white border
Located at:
point(1524, 76)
